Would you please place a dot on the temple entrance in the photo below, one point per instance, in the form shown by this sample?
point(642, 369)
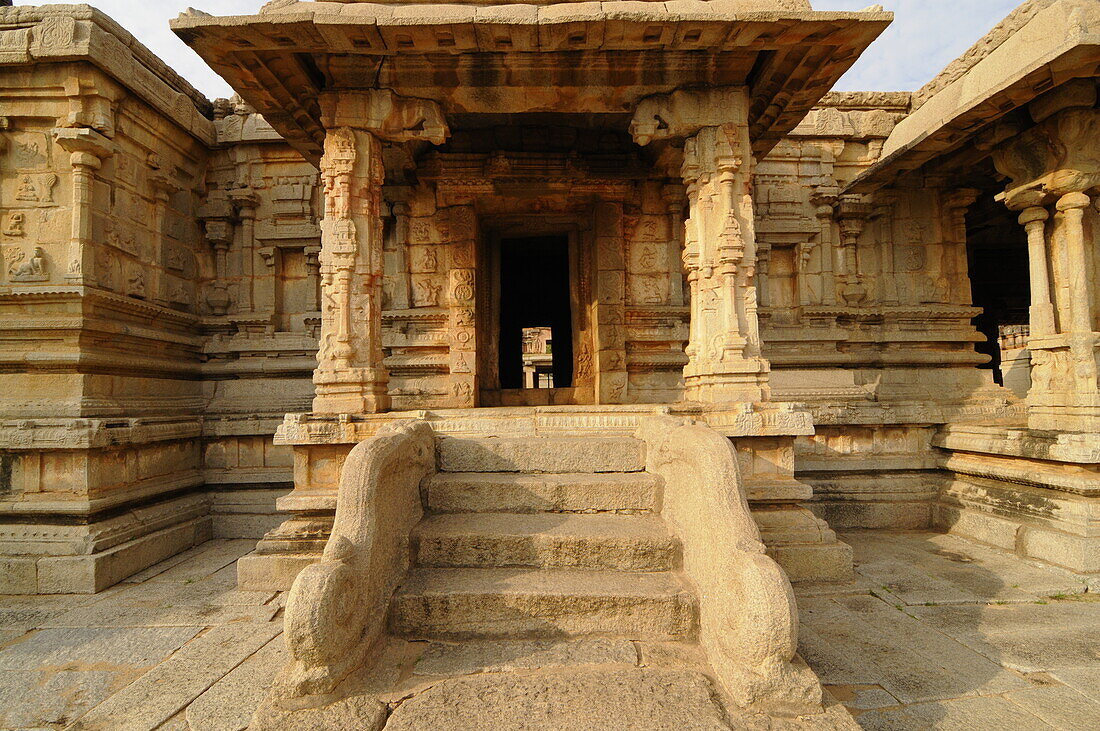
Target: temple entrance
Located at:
point(996, 248)
point(533, 317)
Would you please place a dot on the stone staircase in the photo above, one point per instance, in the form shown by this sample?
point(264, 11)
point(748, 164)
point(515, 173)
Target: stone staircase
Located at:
point(538, 538)
point(512, 583)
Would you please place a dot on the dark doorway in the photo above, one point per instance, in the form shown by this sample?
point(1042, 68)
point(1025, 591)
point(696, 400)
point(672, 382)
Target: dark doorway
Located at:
point(996, 248)
point(534, 294)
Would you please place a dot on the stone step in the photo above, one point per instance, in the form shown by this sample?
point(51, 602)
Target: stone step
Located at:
point(547, 540)
point(541, 454)
point(518, 603)
point(517, 492)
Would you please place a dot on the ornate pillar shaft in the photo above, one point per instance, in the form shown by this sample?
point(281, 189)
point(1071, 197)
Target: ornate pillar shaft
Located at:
point(350, 375)
point(724, 362)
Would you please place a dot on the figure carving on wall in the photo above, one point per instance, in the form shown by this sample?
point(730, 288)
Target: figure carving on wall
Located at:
point(27, 191)
point(45, 188)
point(461, 364)
point(24, 269)
point(429, 261)
point(27, 155)
point(14, 225)
point(135, 283)
point(426, 292)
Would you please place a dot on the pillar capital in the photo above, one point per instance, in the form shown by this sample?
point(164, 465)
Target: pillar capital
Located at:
point(384, 114)
point(683, 113)
point(1070, 201)
point(1033, 214)
point(85, 142)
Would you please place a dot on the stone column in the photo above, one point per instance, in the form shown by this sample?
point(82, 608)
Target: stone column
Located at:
point(955, 266)
point(1054, 163)
point(216, 213)
point(350, 376)
point(1072, 207)
point(87, 150)
point(163, 188)
point(824, 198)
point(724, 354)
point(461, 238)
point(1034, 219)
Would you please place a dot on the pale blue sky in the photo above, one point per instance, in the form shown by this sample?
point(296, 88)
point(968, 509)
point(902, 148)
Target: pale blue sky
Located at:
point(925, 36)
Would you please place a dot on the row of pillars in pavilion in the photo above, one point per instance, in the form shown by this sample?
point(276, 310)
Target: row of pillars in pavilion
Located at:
point(724, 351)
point(1054, 175)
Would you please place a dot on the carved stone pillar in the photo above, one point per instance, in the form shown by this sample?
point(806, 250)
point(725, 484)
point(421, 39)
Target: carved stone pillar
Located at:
point(673, 196)
point(163, 188)
point(1034, 219)
point(954, 262)
point(461, 235)
point(87, 150)
point(1079, 267)
point(882, 216)
point(350, 375)
point(1053, 165)
point(724, 360)
point(256, 296)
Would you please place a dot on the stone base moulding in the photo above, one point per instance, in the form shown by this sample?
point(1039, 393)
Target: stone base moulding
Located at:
point(1031, 493)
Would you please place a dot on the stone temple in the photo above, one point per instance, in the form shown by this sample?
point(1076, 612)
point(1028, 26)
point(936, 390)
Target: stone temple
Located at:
point(569, 326)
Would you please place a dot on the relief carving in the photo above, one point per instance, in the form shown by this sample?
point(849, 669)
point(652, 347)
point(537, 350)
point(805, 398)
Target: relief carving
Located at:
point(14, 226)
point(22, 268)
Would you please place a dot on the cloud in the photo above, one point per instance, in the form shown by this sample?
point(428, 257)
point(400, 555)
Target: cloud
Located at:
point(925, 36)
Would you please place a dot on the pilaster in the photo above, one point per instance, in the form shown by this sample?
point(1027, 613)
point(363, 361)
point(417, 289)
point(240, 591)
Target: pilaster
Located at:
point(87, 150)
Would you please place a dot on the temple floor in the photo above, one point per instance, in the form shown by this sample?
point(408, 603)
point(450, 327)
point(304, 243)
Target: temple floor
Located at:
point(935, 632)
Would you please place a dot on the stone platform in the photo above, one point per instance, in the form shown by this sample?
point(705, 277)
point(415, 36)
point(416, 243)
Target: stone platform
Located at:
point(763, 434)
point(935, 632)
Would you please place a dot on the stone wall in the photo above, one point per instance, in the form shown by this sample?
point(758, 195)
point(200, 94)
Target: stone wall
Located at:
point(103, 154)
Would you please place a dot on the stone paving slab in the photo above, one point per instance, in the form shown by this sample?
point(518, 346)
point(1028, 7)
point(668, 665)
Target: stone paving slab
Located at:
point(939, 632)
point(171, 686)
point(966, 638)
point(497, 656)
point(967, 713)
point(130, 647)
point(228, 704)
point(52, 699)
point(1059, 706)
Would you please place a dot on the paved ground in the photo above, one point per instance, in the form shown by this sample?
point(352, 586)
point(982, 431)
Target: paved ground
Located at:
point(946, 634)
point(936, 633)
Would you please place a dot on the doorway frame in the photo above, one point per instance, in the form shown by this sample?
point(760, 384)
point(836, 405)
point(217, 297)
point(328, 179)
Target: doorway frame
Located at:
point(577, 232)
